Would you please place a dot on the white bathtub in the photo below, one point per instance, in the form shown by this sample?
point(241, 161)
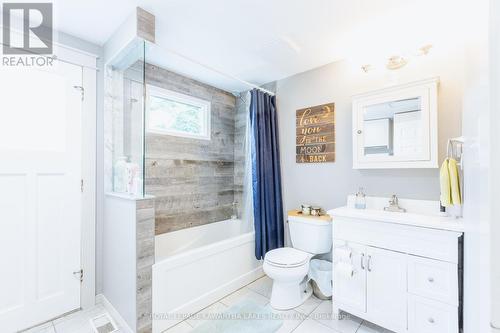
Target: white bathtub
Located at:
point(195, 267)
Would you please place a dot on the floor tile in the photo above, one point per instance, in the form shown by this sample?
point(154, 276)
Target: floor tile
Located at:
point(78, 322)
point(312, 326)
point(367, 327)
point(309, 305)
point(263, 286)
point(211, 312)
point(244, 294)
point(291, 319)
point(182, 327)
point(45, 328)
point(345, 323)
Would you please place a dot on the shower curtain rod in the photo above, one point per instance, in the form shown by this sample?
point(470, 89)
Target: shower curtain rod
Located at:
point(222, 73)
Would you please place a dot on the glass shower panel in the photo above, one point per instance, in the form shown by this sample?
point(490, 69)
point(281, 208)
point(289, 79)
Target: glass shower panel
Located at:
point(124, 80)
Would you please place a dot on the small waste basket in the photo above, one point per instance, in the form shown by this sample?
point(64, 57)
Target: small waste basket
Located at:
point(320, 272)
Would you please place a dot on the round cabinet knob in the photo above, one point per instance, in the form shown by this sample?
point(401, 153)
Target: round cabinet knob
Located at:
point(431, 320)
point(430, 279)
point(359, 131)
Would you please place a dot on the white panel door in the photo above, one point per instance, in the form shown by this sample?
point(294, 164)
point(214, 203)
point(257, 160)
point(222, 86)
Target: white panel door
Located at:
point(386, 290)
point(40, 198)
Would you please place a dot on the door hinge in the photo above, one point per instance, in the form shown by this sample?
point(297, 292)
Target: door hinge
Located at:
point(81, 185)
point(80, 274)
point(82, 91)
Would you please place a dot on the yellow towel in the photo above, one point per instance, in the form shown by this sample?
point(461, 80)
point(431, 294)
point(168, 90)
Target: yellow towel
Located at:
point(456, 198)
point(444, 182)
point(449, 180)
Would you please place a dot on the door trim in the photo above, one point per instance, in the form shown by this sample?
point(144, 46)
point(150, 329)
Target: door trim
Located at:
point(89, 154)
point(87, 298)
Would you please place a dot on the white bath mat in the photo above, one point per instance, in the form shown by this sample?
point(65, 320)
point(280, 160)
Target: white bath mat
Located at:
point(103, 324)
point(244, 317)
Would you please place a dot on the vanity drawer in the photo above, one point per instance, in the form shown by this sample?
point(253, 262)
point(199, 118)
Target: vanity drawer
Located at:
point(433, 279)
point(428, 316)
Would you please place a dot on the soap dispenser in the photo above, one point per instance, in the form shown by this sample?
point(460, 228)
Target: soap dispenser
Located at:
point(360, 202)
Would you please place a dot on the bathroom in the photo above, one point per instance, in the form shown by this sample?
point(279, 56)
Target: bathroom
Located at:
point(322, 166)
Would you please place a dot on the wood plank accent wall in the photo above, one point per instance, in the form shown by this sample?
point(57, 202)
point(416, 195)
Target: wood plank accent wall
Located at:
point(193, 180)
point(145, 252)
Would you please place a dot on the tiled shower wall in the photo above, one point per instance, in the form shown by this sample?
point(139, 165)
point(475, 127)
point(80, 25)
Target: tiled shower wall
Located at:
point(192, 180)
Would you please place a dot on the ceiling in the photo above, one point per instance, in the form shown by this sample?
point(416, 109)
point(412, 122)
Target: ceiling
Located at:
point(262, 40)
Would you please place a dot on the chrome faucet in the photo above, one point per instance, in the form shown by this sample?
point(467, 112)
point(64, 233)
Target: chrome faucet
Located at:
point(394, 205)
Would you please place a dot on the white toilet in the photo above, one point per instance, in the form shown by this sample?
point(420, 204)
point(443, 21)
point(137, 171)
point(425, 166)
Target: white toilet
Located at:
point(289, 266)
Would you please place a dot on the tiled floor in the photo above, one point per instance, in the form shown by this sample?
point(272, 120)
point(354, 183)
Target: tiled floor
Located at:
point(314, 316)
point(77, 322)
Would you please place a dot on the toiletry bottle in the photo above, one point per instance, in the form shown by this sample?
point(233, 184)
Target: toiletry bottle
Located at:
point(360, 202)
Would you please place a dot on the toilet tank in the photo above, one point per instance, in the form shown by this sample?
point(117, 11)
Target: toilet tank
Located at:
point(310, 234)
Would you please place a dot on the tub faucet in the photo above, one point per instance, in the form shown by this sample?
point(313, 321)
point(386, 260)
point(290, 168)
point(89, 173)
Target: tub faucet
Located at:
point(394, 205)
point(234, 216)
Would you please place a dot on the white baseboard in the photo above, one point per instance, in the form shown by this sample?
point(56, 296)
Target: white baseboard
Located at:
point(101, 299)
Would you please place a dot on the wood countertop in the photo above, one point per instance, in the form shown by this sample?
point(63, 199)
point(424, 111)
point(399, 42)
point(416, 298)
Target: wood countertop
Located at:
point(298, 213)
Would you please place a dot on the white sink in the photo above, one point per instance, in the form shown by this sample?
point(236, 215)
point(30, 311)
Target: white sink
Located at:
point(424, 213)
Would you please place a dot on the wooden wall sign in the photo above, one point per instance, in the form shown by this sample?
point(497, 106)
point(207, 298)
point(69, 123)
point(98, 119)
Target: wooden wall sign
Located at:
point(315, 141)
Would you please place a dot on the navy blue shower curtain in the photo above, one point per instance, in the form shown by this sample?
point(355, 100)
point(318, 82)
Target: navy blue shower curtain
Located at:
point(266, 174)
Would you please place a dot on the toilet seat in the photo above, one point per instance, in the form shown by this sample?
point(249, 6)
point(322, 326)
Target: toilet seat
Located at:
point(287, 257)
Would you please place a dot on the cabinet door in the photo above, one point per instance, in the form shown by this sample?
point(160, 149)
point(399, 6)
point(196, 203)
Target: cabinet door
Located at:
point(386, 299)
point(349, 291)
point(396, 127)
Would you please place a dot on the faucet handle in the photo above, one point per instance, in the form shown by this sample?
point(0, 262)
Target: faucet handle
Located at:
point(393, 200)
point(394, 205)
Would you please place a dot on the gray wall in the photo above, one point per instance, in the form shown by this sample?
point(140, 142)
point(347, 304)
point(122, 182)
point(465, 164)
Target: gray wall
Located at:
point(328, 184)
point(192, 179)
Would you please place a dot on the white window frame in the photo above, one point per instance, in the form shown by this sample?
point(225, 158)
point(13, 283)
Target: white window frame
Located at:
point(181, 98)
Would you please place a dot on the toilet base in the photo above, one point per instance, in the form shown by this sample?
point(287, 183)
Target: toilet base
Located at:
point(289, 295)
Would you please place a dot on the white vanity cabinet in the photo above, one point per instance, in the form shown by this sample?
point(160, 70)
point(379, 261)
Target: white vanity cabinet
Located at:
point(405, 274)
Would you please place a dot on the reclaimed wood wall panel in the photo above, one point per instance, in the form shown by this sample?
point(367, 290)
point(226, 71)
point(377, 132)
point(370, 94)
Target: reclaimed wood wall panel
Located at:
point(193, 180)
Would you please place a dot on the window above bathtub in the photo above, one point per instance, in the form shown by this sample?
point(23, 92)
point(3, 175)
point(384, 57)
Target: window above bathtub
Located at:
point(177, 114)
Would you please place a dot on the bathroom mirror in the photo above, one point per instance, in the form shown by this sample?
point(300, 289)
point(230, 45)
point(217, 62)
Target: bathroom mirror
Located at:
point(396, 127)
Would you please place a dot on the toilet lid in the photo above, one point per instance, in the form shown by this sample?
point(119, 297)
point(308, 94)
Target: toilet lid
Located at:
point(286, 257)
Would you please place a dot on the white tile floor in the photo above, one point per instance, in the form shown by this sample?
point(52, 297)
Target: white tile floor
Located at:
point(76, 322)
point(314, 316)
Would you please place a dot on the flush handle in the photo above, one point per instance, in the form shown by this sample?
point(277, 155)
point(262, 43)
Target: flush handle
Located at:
point(79, 274)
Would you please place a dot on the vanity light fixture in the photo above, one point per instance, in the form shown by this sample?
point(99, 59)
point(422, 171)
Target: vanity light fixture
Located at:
point(424, 50)
point(397, 61)
point(366, 68)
